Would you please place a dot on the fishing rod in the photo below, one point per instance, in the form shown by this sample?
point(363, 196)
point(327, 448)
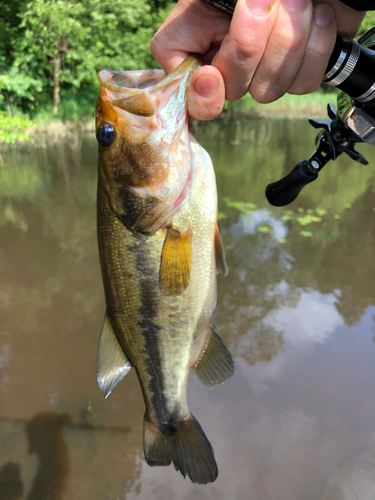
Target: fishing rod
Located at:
point(351, 69)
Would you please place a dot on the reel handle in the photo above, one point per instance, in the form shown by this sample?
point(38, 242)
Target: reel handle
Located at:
point(287, 189)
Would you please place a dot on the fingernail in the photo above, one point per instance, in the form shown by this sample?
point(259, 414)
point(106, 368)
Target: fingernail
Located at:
point(323, 16)
point(206, 86)
point(295, 5)
point(260, 7)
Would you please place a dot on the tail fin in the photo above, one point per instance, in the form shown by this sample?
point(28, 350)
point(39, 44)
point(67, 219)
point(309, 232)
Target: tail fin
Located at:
point(183, 443)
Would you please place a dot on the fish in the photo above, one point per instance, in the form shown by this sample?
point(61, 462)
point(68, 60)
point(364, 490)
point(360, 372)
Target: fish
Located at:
point(160, 249)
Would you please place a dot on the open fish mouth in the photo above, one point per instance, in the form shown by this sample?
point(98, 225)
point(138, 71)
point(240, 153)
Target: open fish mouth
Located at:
point(130, 81)
point(133, 91)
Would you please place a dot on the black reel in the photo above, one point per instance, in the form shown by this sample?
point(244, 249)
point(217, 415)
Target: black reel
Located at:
point(352, 70)
point(335, 138)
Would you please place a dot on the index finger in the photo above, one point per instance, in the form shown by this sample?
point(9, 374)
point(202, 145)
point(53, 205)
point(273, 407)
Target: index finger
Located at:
point(192, 26)
point(244, 45)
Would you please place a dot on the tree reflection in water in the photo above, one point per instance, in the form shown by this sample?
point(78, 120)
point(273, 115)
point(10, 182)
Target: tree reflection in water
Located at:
point(51, 299)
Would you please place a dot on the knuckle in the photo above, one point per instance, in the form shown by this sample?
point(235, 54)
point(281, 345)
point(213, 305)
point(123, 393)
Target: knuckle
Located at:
point(317, 53)
point(244, 49)
point(154, 45)
point(233, 94)
point(302, 88)
point(288, 47)
point(206, 114)
point(204, 111)
point(266, 96)
point(289, 42)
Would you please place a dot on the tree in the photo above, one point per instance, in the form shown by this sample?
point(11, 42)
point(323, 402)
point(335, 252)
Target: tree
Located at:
point(9, 24)
point(15, 87)
point(69, 41)
point(52, 31)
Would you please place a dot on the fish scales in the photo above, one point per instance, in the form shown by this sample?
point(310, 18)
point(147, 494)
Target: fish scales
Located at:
point(159, 265)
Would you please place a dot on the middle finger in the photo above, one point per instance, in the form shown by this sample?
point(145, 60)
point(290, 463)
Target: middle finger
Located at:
point(243, 46)
point(284, 52)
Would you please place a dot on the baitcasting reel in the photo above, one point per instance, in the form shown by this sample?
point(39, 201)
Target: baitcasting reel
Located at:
point(351, 68)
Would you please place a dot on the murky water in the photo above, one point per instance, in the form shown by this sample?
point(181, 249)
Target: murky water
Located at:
point(296, 422)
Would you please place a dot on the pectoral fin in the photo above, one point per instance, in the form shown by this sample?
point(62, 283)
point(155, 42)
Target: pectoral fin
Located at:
point(215, 364)
point(221, 263)
point(175, 263)
point(111, 365)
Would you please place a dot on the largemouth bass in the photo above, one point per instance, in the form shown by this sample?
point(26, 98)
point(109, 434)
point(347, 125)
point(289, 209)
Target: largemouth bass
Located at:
point(160, 248)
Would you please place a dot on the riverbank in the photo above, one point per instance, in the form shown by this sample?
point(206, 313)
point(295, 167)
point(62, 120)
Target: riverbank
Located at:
point(289, 106)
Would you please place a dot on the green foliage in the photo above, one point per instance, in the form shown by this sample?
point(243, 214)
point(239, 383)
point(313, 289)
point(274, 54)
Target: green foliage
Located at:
point(12, 128)
point(77, 105)
point(51, 29)
point(367, 23)
point(9, 23)
point(16, 87)
point(88, 35)
point(53, 43)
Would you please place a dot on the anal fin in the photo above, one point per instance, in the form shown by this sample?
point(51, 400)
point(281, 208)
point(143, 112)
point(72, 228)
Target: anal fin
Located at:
point(175, 262)
point(111, 364)
point(215, 364)
point(221, 263)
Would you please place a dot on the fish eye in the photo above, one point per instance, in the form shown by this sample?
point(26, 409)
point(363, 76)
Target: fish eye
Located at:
point(106, 134)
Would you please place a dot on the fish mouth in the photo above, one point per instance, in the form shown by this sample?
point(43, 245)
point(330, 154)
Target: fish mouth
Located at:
point(132, 91)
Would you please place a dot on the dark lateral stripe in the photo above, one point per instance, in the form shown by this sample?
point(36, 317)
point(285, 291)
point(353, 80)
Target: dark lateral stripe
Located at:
point(150, 330)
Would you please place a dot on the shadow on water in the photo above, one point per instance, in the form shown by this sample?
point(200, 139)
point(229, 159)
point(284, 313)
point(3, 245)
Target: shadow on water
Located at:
point(45, 433)
point(11, 487)
point(46, 439)
point(301, 281)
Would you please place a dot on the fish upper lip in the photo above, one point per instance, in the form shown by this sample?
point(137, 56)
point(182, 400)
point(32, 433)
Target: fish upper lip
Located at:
point(105, 75)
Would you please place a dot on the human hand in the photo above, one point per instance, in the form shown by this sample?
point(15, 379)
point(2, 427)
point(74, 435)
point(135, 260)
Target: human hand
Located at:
point(268, 48)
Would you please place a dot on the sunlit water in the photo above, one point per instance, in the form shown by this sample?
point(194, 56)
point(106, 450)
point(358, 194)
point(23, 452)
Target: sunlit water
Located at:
point(296, 422)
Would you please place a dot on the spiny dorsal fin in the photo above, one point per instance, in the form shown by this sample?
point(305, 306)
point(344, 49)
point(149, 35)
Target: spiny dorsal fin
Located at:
point(111, 364)
point(215, 364)
point(221, 263)
point(175, 263)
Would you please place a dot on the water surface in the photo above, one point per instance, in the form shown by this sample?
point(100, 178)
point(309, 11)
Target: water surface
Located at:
point(297, 421)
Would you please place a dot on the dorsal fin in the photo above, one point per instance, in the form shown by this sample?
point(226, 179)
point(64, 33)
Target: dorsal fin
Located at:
point(111, 365)
point(215, 364)
point(175, 263)
point(221, 263)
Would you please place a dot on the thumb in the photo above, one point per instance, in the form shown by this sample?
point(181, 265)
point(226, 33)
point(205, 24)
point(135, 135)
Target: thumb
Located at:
point(206, 97)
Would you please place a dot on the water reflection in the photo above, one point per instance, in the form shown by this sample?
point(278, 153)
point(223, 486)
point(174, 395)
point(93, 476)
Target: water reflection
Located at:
point(297, 311)
point(45, 433)
point(11, 487)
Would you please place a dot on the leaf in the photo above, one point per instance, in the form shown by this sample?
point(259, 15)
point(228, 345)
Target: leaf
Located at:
point(306, 234)
point(320, 211)
point(304, 220)
point(264, 229)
